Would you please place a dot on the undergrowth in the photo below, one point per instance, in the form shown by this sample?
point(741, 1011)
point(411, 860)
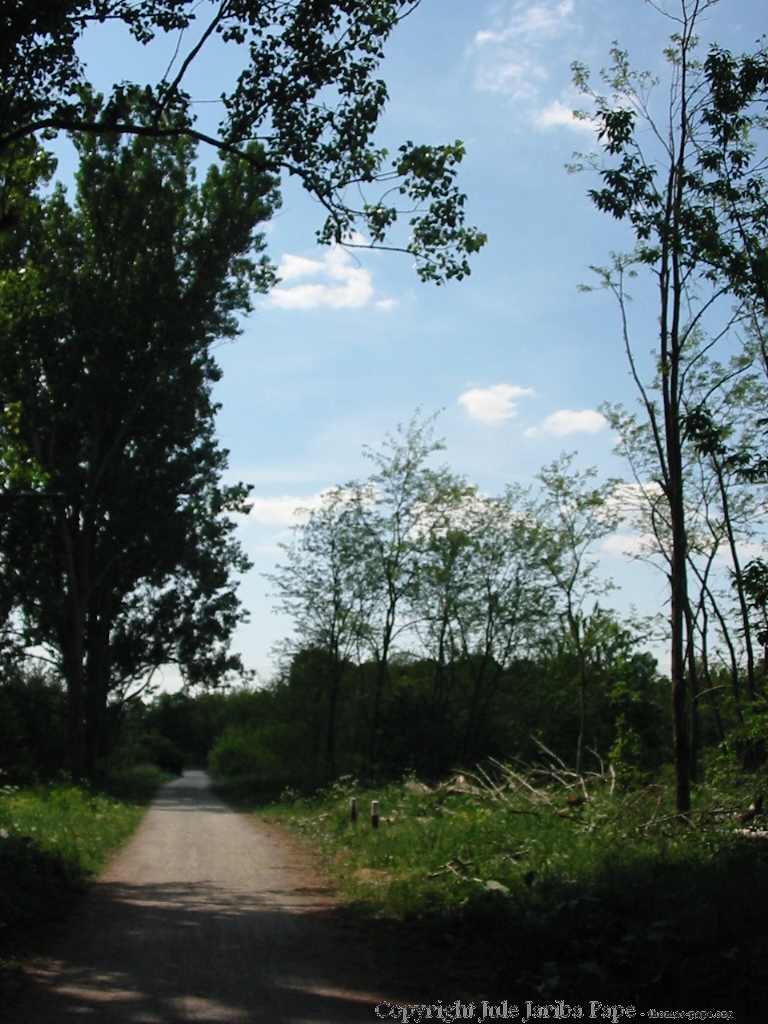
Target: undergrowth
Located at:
point(53, 839)
point(538, 886)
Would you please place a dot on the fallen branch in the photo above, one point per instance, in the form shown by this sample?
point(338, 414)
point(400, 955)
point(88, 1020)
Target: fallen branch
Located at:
point(449, 867)
point(655, 812)
point(548, 751)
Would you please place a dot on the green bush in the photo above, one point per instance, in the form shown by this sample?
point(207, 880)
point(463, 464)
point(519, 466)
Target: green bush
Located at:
point(137, 784)
point(244, 751)
point(33, 736)
point(164, 753)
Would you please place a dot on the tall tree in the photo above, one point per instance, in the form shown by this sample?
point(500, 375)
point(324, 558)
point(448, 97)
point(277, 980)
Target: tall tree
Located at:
point(395, 510)
point(502, 611)
point(724, 406)
point(440, 585)
point(652, 177)
point(573, 515)
point(732, 181)
point(125, 559)
point(319, 586)
point(720, 515)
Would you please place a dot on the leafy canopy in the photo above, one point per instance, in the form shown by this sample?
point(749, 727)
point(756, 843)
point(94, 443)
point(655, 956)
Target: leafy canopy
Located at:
point(308, 93)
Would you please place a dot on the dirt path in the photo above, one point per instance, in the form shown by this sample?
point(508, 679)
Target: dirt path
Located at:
point(205, 916)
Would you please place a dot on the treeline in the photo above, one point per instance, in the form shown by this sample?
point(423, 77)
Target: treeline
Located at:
point(434, 626)
point(277, 736)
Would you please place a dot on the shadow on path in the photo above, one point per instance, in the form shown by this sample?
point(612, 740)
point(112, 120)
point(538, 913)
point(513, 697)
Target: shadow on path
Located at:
point(202, 918)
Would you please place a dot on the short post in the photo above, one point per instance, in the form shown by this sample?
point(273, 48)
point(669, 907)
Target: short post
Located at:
point(374, 813)
point(353, 810)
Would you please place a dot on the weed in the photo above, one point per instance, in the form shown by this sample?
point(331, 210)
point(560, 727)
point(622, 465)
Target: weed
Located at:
point(52, 840)
point(522, 883)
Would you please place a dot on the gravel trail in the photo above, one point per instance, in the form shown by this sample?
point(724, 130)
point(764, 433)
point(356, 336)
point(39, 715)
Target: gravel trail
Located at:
point(208, 916)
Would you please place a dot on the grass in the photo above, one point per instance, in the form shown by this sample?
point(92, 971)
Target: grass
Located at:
point(53, 839)
point(537, 893)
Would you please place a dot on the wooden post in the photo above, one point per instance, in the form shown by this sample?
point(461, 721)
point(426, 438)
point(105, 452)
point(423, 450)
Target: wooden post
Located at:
point(353, 810)
point(374, 813)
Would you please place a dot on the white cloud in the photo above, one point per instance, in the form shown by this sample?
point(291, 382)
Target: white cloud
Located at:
point(633, 499)
point(339, 281)
point(284, 509)
point(558, 114)
point(295, 267)
point(517, 77)
point(514, 56)
point(628, 545)
point(493, 404)
point(637, 495)
point(532, 23)
point(568, 421)
point(749, 549)
point(386, 304)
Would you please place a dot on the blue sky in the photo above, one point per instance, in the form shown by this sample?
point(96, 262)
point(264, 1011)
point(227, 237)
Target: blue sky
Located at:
point(346, 347)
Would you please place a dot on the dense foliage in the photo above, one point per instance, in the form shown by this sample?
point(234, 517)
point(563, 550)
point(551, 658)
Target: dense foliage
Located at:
point(122, 558)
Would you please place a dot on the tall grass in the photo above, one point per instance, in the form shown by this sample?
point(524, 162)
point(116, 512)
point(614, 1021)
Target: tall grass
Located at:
point(541, 894)
point(53, 838)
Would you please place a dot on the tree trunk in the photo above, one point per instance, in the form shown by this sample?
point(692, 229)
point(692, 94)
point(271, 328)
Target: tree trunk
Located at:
point(738, 580)
point(678, 556)
point(97, 688)
point(73, 645)
point(680, 742)
point(694, 733)
point(693, 679)
point(382, 670)
point(473, 711)
point(335, 669)
point(380, 681)
point(731, 649)
point(72, 669)
point(582, 719)
point(678, 595)
point(575, 628)
point(710, 690)
point(672, 296)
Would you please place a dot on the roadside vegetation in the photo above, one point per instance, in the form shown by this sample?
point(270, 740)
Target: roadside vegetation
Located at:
point(540, 884)
point(54, 837)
